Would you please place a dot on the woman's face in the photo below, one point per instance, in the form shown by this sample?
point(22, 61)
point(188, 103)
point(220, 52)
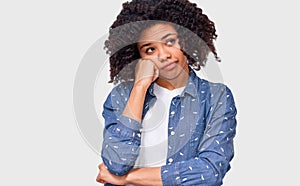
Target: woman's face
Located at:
point(160, 44)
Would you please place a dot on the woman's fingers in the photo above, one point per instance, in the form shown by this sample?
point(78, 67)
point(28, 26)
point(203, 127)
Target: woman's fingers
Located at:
point(146, 72)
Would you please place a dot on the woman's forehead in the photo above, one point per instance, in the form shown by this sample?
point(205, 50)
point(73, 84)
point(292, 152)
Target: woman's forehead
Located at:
point(157, 32)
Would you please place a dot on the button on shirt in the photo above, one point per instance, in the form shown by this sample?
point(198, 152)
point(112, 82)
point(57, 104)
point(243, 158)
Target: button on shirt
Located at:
point(201, 128)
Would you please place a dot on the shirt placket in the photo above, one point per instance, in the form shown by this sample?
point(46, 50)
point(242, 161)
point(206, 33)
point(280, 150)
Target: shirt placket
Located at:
point(174, 115)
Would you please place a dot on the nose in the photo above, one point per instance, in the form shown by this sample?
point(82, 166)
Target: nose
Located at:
point(164, 54)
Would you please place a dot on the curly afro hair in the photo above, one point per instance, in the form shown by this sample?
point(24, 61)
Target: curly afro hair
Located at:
point(195, 32)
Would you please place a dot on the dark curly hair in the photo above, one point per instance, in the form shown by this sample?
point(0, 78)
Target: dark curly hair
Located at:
point(195, 32)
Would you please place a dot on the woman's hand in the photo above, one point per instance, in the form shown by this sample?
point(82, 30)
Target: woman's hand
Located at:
point(105, 176)
point(145, 72)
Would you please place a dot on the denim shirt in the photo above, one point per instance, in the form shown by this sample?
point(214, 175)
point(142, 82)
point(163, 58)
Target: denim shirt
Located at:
point(201, 128)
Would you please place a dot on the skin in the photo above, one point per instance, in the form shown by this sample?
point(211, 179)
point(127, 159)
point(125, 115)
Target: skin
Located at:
point(163, 62)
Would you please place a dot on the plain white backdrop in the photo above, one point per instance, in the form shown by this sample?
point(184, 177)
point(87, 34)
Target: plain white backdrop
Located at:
point(43, 43)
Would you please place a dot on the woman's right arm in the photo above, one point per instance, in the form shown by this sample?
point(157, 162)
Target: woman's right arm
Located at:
point(145, 73)
point(122, 115)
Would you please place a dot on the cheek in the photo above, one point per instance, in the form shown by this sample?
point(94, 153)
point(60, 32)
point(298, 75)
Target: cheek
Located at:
point(142, 55)
point(150, 57)
point(183, 60)
point(179, 54)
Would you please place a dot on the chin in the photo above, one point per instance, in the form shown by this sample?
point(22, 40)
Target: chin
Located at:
point(170, 75)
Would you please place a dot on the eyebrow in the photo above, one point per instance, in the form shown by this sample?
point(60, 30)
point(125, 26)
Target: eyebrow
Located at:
point(167, 35)
point(164, 37)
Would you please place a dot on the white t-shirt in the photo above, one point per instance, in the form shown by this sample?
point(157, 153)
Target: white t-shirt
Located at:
point(154, 138)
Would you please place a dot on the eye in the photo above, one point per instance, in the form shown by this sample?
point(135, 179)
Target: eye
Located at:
point(170, 42)
point(149, 50)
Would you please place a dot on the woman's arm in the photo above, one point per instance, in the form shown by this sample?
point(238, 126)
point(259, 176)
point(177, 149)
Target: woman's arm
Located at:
point(140, 176)
point(134, 106)
point(145, 176)
point(215, 150)
point(122, 134)
point(145, 73)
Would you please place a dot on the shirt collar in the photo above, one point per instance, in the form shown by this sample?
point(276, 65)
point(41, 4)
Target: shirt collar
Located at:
point(151, 90)
point(190, 88)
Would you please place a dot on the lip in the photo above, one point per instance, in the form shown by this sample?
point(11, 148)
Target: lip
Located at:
point(169, 65)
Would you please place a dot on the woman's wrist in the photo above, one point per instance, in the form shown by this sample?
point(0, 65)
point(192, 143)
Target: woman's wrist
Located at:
point(128, 177)
point(141, 86)
point(144, 176)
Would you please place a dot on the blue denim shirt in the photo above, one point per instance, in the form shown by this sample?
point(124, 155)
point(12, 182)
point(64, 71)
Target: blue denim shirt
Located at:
point(201, 129)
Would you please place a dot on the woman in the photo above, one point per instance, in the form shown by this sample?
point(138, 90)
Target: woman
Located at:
point(163, 124)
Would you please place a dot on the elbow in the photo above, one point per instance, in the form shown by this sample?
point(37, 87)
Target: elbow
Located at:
point(219, 176)
point(215, 179)
point(117, 168)
point(218, 181)
point(216, 173)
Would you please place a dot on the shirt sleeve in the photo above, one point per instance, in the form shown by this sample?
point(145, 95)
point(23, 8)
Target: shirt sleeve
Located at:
point(215, 150)
point(121, 136)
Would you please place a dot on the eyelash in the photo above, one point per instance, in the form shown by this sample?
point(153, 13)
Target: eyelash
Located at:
point(169, 42)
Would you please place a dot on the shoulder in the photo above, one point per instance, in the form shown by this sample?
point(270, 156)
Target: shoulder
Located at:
point(212, 91)
point(122, 89)
point(218, 99)
point(209, 87)
point(119, 95)
point(205, 86)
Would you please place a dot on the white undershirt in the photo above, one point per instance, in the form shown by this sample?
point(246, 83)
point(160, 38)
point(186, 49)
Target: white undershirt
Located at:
point(154, 138)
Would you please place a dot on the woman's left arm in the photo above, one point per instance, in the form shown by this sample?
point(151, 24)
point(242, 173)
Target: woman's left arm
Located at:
point(216, 150)
point(140, 176)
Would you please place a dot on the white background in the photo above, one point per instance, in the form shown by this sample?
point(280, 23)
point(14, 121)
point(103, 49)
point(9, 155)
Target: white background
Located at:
point(43, 42)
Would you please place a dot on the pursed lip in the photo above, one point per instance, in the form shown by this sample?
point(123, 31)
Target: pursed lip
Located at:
point(168, 64)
